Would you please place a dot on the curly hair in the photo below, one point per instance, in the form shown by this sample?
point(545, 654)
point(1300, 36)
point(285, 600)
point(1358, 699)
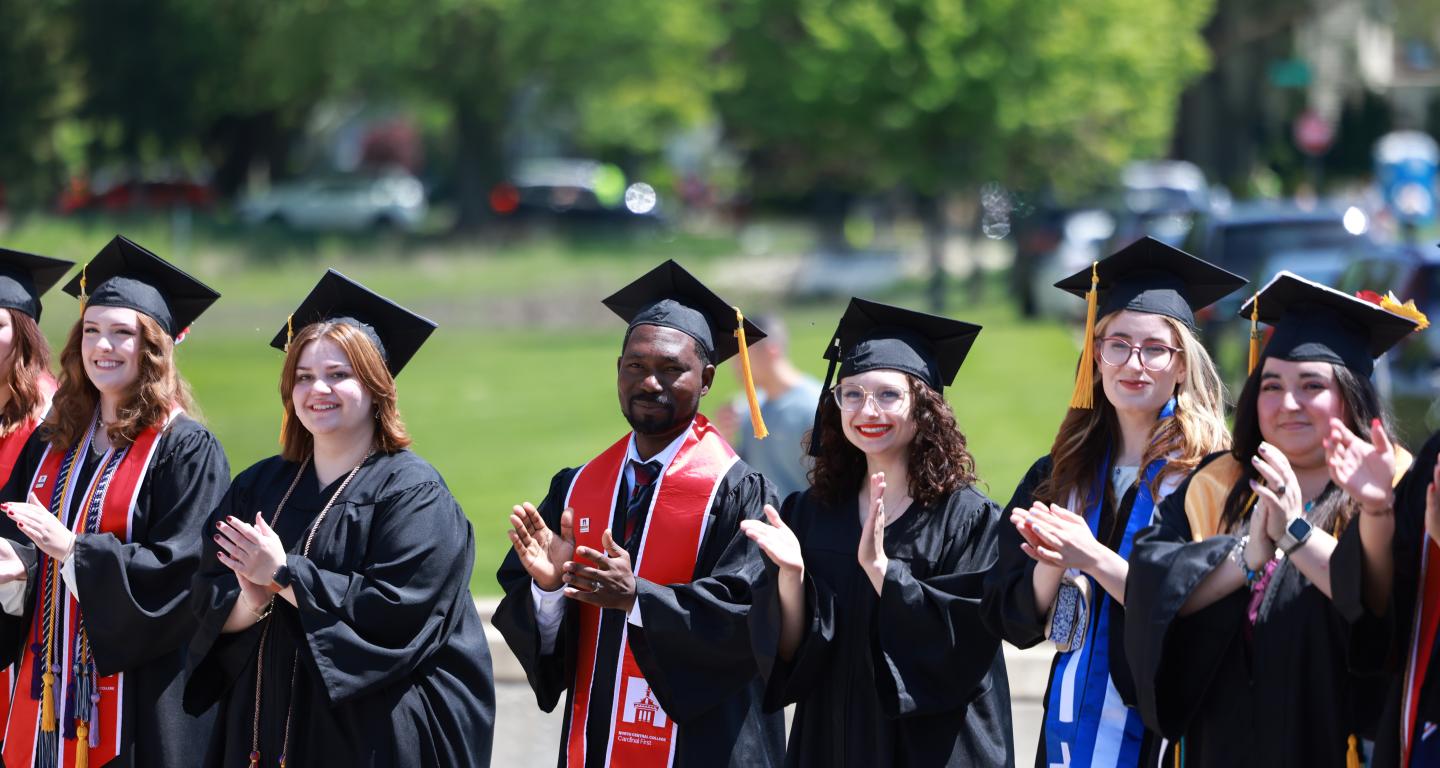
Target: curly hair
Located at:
point(1360, 404)
point(939, 462)
point(157, 390)
point(295, 440)
point(30, 383)
point(1196, 429)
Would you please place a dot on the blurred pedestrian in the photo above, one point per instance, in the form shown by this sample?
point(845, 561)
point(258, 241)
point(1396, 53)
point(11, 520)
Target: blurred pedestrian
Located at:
point(336, 622)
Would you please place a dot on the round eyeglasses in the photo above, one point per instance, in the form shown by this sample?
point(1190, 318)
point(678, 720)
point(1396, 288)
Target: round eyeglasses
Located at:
point(852, 397)
point(1154, 356)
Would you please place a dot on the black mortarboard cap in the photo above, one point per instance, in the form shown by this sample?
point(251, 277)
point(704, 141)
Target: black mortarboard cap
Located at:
point(671, 297)
point(124, 274)
point(1150, 276)
point(1314, 322)
point(873, 336)
point(396, 332)
point(25, 277)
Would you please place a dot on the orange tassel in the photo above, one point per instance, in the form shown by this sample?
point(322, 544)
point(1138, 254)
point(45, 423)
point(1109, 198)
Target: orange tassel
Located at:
point(757, 422)
point(82, 745)
point(1254, 334)
point(47, 702)
point(1084, 394)
point(1352, 755)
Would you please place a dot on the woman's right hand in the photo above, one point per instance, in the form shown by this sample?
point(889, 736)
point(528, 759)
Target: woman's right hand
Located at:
point(777, 541)
point(1261, 548)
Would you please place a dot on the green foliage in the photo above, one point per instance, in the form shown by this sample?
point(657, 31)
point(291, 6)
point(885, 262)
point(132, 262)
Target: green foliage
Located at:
point(31, 97)
point(935, 94)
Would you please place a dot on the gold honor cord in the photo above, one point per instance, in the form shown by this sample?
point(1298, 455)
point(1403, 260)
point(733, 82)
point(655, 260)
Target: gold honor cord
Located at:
point(1084, 394)
point(757, 423)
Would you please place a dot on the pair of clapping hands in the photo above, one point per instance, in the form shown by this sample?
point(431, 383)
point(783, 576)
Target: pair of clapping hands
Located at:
point(38, 524)
point(603, 579)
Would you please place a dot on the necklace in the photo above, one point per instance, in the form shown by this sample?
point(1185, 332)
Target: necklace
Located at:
point(265, 633)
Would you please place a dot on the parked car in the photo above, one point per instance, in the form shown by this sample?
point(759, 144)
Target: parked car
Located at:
point(119, 196)
point(391, 200)
point(575, 191)
point(1083, 235)
point(1159, 199)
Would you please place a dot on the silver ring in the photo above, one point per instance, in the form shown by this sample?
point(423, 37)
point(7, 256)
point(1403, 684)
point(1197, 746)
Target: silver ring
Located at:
point(598, 586)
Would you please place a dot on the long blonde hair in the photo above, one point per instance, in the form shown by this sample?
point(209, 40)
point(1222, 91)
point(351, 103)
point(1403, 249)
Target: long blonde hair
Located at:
point(1196, 429)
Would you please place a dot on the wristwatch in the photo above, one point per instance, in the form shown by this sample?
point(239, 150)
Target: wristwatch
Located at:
point(1296, 534)
point(281, 578)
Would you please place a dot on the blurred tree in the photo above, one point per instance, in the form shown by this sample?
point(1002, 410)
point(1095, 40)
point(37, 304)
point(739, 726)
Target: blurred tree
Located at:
point(33, 82)
point(942, 95)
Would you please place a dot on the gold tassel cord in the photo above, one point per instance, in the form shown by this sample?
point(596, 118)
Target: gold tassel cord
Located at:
point(1352, 754)
point(1084, 394)
point(1254, 334)
point(757, 422)
point(82, 745)
point(285, 414)
point(84, 295)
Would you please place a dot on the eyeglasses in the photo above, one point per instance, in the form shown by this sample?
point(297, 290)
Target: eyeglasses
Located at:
point(1115, 351)
point(852, 397)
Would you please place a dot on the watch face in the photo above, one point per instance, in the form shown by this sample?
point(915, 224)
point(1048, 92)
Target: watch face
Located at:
point(1298, 527)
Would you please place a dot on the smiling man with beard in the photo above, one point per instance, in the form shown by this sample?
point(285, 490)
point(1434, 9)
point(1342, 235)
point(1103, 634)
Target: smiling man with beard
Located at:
point(612, 583)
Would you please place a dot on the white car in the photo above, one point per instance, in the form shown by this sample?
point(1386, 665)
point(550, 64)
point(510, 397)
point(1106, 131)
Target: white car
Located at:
point(385, 201)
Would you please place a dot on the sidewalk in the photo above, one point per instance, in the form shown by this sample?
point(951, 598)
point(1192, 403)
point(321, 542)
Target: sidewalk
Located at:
point(526, 736)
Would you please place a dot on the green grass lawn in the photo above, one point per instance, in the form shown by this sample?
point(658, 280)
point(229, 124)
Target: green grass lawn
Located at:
point(498, 408)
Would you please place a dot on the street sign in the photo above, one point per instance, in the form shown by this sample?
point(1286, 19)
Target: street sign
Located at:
point(1313, 134)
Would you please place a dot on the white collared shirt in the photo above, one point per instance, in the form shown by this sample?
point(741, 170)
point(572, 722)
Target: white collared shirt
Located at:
point(550, 606)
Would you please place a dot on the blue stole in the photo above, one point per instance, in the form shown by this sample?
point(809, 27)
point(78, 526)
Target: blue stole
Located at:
point(1086, 722)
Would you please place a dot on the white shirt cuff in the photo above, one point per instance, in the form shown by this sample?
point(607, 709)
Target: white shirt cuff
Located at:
point(12, 598)
point(67, 572)
point(549, 610)
point(634, 616)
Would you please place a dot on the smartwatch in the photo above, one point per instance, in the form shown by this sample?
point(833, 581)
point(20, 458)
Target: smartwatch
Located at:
point(281, 578)
point(1297, 532)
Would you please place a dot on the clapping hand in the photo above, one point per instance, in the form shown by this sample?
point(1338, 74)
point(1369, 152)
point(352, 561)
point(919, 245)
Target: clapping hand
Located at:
point(1365, 471)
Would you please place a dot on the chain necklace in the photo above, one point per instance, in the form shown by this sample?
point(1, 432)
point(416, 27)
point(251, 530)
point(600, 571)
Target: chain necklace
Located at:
point(265, 633)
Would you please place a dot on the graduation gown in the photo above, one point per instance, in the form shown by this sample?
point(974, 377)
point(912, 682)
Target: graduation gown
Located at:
point(135, 595)
point(693, 648)
point(1380, 645)
point(1009, 608)
point(1277, 695)
point(909, 677)
point(391, 663)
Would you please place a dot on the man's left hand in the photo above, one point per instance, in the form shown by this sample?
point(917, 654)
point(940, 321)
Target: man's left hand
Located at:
point(607, 582)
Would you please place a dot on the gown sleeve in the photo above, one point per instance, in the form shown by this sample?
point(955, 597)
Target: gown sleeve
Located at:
point(1173, 659)
point(948, 667)
point(695, 646)
point(1377, 642)
point(141, 588)
point(215, 659)
point(13, 629)
point(1008, 607)
point(548, 673)
point(371, 628)
point(788, 682)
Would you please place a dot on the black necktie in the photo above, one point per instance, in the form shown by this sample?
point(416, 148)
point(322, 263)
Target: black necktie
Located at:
point(645, 475)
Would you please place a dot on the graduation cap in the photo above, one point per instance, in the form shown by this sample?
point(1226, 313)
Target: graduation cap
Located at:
point(1314, 322)
point(25, 277)
point(124, 274)
point(395, 331)
point(671, 297)
point(873, 336)
point(1145, 276)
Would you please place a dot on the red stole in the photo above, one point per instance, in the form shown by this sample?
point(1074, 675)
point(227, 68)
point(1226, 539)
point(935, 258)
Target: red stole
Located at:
point(1422, 643)
point(641, 735)
point(99, 742)
point(10, 447)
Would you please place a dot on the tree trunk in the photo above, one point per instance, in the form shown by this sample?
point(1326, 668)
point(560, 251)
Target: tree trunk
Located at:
point(932, 219)
point(479, 163)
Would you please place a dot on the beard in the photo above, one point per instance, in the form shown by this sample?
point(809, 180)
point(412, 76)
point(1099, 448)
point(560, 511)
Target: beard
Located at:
point(656, 422)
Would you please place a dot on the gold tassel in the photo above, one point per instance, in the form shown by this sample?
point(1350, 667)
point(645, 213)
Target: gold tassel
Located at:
point(1084, 394)
point(1352, 755)
point(757, 422)
point(289, 331)
point(1254, 334)
point(47, 702)
point(82, 745)
point(84, 296)
point(285, 414)
point(1407, 310)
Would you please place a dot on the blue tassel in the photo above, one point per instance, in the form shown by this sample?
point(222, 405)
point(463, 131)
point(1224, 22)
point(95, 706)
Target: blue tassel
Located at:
point(95, 719)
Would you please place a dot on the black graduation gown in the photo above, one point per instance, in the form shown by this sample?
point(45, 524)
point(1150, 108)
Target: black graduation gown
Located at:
point(1278, 696)
point(1009, 608)
point(909, 677)
point(135, 596)
point(694, 647)
point(1379, 645)
point(393, 666)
